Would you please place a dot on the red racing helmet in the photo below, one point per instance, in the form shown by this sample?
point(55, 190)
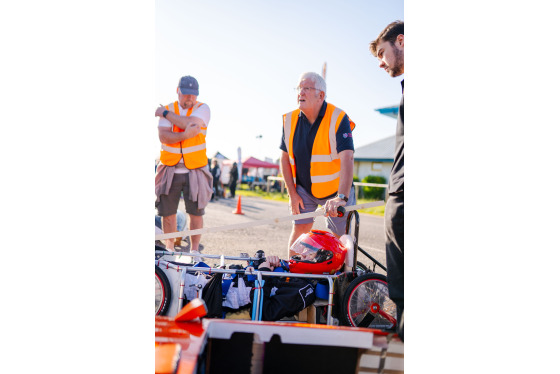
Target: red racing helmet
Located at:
point(317, 252)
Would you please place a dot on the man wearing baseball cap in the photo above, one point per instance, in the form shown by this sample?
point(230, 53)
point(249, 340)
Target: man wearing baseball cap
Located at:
point(183, 164)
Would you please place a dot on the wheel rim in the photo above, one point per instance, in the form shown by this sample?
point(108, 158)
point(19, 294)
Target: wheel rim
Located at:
point(160, 294)
point(366, 299)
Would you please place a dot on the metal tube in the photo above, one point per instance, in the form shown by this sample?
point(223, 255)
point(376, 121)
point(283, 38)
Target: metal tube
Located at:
point(259, 300)
point(329, 306)
point(193, 269)
point(356, 234)
point(181, 291)
point(372, 259)
point(255, 302)
point(186, 254)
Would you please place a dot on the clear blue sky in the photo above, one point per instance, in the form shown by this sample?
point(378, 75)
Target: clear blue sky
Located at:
point(247, 57)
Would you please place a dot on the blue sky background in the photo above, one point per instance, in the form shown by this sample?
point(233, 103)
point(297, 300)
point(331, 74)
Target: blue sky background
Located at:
point(247, 57)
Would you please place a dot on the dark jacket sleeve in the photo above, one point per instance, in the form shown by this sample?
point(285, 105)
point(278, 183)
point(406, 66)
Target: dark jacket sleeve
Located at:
point(291, 296)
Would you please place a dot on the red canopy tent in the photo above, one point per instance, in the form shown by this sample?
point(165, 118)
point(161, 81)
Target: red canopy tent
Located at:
point(251, 162)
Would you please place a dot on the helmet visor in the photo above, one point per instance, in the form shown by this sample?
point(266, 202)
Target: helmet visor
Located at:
point(308, 250)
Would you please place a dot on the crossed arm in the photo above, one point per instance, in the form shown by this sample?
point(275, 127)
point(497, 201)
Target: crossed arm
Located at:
point(191, 125)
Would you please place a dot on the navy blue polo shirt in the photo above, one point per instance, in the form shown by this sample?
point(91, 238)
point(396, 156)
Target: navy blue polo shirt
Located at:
point(303, 144)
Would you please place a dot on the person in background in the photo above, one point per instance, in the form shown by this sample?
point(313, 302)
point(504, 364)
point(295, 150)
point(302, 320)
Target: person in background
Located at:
point(233, 176)
point(217, 183)
point(317, 167)
point(183, 164)
point(389, 50)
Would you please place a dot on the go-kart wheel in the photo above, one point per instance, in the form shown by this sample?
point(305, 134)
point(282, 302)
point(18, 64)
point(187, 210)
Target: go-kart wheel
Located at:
point(163, 292)
point(366, 303)
point(361, 267)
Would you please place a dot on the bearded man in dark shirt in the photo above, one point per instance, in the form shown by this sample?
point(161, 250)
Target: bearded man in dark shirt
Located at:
point(389, 50)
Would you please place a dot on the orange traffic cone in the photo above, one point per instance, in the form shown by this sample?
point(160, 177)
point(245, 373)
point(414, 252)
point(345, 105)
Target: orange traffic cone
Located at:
point(238, 211)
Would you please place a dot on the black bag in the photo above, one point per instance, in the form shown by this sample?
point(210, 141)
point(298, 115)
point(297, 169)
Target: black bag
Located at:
point(212, 295)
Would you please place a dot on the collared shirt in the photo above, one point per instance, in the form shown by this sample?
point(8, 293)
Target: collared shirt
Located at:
point(304, 137)
point(396, 179)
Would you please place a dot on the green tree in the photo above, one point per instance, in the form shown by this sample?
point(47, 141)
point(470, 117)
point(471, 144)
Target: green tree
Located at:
point(374, 193)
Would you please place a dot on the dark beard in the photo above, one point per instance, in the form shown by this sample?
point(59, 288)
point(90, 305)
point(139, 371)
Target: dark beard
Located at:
point(399, 65)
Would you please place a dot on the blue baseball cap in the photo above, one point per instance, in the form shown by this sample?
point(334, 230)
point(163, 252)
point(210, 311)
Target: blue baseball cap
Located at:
point(188, 85)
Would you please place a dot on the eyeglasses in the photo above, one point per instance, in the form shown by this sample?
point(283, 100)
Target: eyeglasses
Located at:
point(305, 89)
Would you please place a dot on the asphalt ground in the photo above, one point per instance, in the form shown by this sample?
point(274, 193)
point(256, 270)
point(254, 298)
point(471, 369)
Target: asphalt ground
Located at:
point(272, 239)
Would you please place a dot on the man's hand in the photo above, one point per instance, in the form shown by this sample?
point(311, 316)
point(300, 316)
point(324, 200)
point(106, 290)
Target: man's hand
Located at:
point(160, 110)
point(296, 203)
point(270, 263)
point(345, 184)
point(331, 206)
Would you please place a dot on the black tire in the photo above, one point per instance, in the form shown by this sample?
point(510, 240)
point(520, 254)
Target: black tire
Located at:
point(361, 298)
point(162, 292)
point(360, 266)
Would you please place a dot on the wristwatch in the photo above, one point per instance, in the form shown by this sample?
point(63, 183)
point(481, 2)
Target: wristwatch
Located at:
point(342, 196)
point(165, 113)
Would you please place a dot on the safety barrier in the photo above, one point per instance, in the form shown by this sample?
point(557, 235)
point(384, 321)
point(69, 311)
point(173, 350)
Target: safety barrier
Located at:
point(319, 212)
point(270, 180)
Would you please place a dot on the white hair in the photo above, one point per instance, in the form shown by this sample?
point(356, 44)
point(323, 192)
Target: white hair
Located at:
point(317, 80)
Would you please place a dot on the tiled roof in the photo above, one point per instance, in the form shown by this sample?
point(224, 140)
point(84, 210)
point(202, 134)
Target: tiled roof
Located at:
point(383, 149)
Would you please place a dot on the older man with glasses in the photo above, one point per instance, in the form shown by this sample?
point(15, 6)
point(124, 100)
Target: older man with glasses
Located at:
point(317, 159)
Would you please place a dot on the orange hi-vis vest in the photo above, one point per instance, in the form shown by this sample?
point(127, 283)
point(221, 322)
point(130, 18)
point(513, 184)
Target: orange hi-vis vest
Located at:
point(325, 163)
point(193, 150)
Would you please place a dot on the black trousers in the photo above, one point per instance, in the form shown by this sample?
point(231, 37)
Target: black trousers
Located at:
point(394, 250)
point(232, 187)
